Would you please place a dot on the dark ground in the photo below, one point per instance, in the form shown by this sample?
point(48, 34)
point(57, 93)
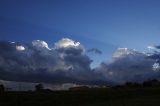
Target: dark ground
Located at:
point(101, 97)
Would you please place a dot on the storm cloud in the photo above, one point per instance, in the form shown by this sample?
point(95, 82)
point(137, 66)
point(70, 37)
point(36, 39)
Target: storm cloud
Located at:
point(65, 62)
point(128, 65)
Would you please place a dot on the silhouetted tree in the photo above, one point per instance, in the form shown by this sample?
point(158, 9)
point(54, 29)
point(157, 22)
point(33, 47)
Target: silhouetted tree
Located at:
point(39, 87)
point(128, 84)
point(150, 83)
point(2, 88)
point(132, 84)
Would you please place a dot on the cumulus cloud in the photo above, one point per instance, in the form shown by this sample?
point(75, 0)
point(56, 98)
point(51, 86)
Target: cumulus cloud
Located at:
point(66, 62)
point(123, 52)
point(20, 48)
point(40, 44)
point(155, 47)
point(155, 55)
point(156, 67)
point(95, 50)
point(66, 42)
point(128, 65)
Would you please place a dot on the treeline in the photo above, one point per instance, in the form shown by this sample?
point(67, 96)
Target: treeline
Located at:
point(38, 88)
point(147, 83)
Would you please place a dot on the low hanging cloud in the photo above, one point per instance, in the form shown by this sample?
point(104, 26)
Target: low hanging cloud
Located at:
point(128, 65)
point(65, 62)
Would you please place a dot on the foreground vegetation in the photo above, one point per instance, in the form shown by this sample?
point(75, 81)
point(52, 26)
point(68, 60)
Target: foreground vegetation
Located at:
point(119, 96)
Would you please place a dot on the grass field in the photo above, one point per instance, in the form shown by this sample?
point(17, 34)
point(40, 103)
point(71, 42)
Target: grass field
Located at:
point(104, 97)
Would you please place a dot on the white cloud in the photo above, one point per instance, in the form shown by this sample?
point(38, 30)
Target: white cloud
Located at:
point(151, 47)
point(12, 42)
point(156, 67)
point(154, 48)
point(40, 44)
point(123, 52)
point(20, 48)
point(66, 42)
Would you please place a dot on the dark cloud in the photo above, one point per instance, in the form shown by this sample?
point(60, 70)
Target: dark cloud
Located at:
point(128, 65)
point(155, 55)
point(66, 62)
point(95, 50)
point(158, 47)
point(37, 62)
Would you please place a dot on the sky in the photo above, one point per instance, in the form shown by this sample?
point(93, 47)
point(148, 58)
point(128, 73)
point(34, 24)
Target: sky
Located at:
point(100, 26)
point(126, 23)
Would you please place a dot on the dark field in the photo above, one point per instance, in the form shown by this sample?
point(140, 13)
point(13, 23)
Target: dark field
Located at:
point(93, 97)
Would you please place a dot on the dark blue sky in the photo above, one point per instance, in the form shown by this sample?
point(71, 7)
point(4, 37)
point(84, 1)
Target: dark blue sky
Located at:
point(104, 24)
